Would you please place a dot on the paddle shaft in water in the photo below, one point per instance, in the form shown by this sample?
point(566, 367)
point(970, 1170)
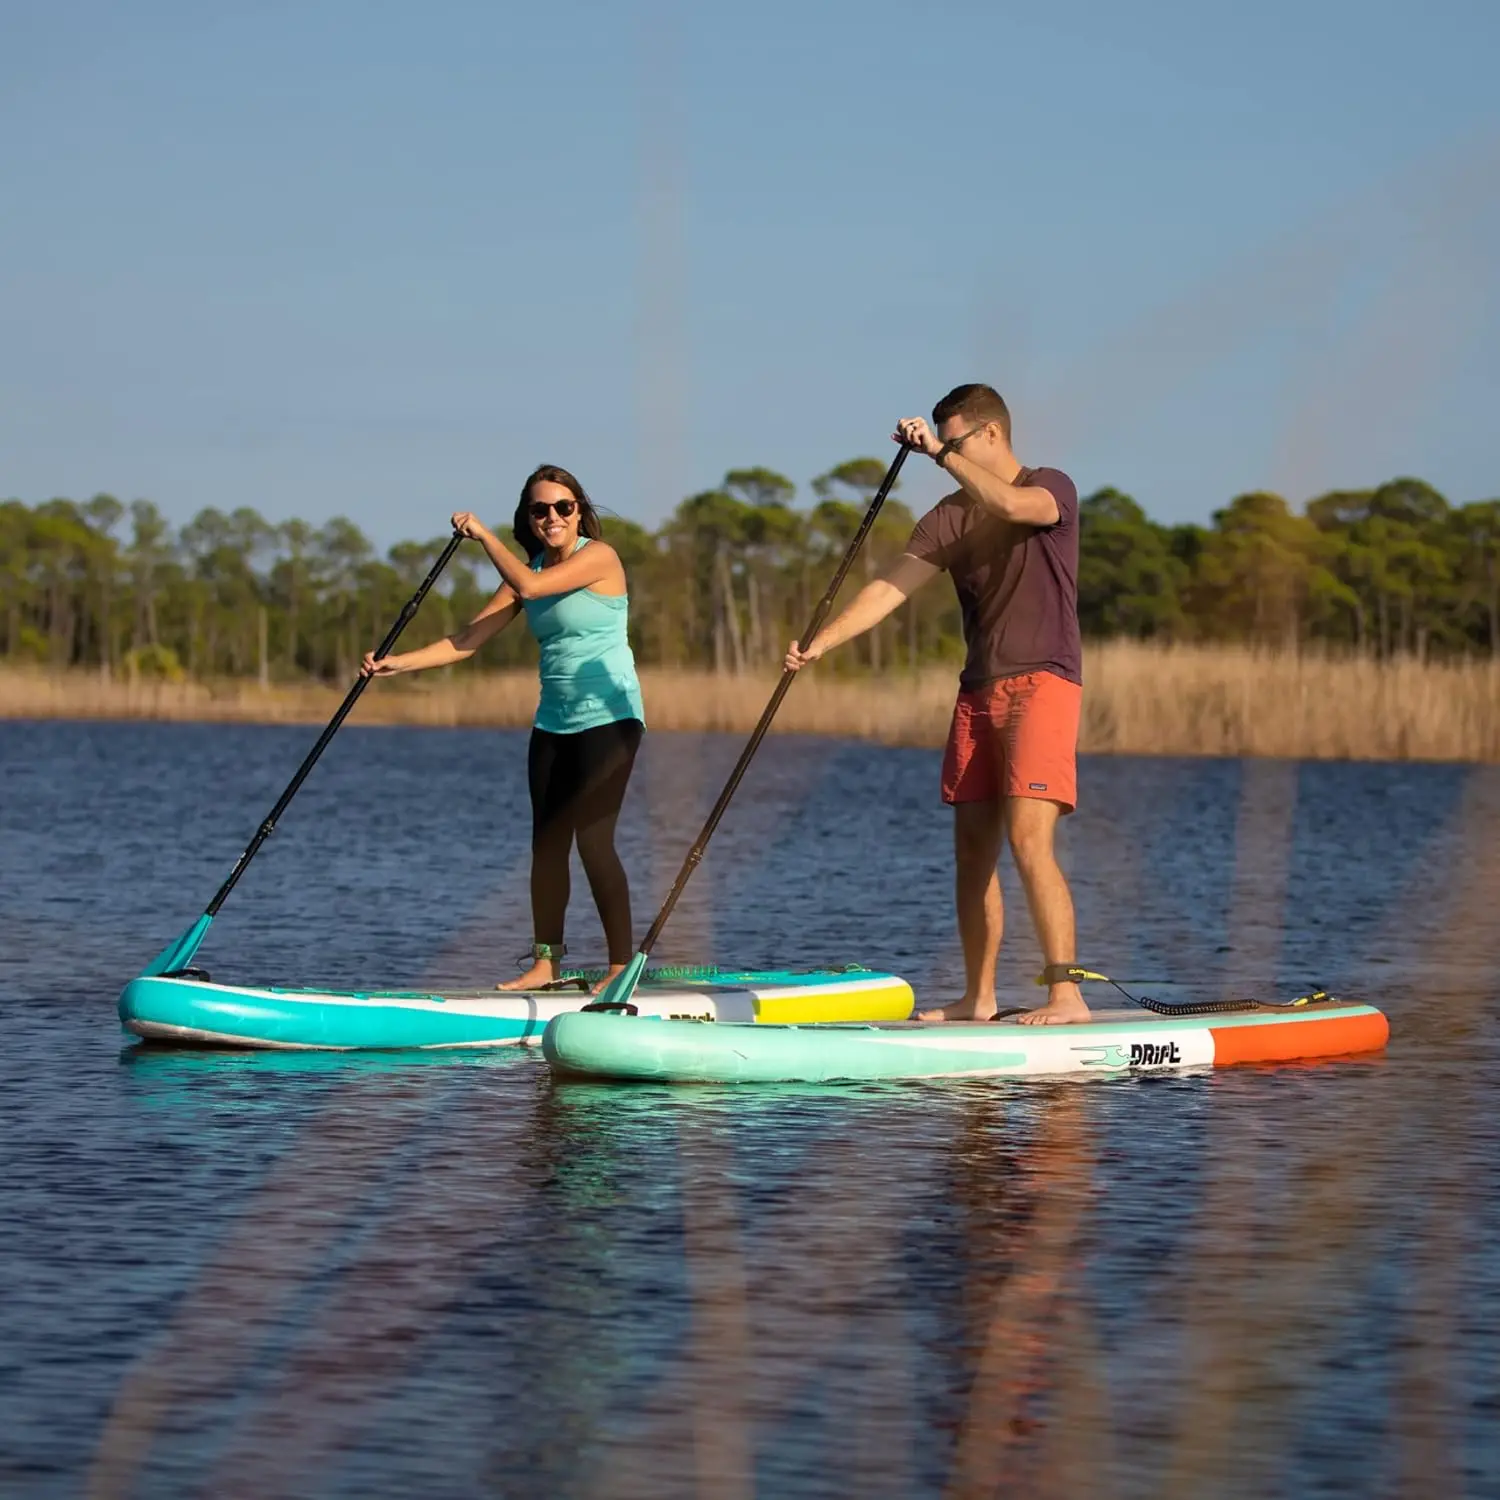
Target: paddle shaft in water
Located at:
point(267, 828)
point(695, 854)
point(179, 954)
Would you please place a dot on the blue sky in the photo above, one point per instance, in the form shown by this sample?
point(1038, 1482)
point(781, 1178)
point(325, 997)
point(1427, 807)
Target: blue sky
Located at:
point(362, 258)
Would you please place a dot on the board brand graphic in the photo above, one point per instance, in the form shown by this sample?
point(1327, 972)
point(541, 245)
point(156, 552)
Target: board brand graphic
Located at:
point(1136, 1055)
point(1104, 1057)
point(1154, 1055)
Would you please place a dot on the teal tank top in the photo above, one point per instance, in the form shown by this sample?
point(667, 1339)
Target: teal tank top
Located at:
point(588, 668)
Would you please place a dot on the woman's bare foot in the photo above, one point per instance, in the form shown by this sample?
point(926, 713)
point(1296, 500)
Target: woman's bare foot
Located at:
point(1064, 1005)
point(962, 1010)
point(543, 972)
point(610, 973)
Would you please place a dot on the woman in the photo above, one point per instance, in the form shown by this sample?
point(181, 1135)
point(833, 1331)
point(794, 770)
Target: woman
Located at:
point(589, 721)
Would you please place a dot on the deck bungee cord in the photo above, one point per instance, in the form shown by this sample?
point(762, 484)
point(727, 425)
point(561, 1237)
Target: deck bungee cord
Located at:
point(1074, 974)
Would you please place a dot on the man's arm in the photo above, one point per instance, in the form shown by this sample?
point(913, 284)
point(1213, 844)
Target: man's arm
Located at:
point(1029, 504)
point(869, 607)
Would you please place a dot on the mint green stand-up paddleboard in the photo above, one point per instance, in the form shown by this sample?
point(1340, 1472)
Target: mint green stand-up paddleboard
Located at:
point(196, 1012)
point(1113, 1041)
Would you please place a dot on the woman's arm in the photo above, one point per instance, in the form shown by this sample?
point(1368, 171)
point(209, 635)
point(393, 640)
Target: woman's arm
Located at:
point(597, 563)
point(459, 646)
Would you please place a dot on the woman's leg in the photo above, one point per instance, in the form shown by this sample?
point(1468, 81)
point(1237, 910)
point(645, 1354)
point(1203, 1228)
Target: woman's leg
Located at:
point(608, 759)
point(551, 771)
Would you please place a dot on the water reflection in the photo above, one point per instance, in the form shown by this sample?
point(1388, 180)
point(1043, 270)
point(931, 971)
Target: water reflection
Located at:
point(421, 1273)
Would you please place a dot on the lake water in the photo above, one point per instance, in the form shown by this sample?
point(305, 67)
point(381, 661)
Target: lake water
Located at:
point(394, 1275)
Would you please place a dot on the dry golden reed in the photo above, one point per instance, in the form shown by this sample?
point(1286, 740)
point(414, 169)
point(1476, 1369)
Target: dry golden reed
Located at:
point(1139, 699)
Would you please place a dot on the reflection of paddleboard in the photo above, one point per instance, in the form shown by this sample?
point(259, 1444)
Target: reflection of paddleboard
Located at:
point(1113, 1042)
point(197, 1012)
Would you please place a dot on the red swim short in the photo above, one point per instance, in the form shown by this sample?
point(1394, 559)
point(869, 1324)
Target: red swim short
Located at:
point(1015, 737)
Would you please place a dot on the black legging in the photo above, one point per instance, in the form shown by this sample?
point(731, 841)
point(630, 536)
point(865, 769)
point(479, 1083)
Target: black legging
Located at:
point(578, 782)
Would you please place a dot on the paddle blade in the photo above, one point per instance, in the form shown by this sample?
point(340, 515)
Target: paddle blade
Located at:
point(616, 994)
point(179, 954)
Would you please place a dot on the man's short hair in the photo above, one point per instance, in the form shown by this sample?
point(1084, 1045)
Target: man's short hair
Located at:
point(976, 404)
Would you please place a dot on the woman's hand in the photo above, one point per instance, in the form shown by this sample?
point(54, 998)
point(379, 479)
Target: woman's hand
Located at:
point(468, 524)
point(387, 666)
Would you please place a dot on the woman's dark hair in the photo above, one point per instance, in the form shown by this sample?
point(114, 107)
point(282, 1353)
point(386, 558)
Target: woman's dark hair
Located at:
point(588, 518)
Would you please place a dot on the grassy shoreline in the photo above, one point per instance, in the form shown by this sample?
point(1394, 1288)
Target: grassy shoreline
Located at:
point(1139, 699)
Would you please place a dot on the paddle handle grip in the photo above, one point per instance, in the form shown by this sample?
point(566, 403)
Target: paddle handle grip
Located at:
point(819, 615)
point(267, 828)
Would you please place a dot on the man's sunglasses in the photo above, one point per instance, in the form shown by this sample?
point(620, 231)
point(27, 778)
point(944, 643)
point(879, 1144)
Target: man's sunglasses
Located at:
point(541, 509)
point(957, 443)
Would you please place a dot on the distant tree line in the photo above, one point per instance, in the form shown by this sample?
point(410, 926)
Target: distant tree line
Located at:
point(732, 575)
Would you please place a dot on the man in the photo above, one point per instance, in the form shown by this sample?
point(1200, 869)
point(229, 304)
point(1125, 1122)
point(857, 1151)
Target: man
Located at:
point(1008, 537)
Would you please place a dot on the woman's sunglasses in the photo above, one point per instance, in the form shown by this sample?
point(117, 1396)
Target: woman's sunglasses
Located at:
point(541, 509)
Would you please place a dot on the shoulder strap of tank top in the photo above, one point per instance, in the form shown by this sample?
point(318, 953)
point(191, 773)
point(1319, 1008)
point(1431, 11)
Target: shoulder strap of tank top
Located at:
point(538, 561)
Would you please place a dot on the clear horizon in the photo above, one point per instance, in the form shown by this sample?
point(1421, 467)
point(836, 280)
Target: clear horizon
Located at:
point(324, 260)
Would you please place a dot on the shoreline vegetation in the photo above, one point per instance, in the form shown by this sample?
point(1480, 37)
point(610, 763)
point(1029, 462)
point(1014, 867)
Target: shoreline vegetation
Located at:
point(1365, 626)
point(1140, 698)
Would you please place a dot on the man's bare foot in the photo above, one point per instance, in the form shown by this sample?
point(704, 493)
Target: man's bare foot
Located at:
point(1064, 1005)
point(610, 973)
point(962, 1010)
point(544, 971)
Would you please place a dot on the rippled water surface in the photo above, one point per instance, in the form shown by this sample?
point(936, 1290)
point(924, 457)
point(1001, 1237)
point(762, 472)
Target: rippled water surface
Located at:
point(445, 1275)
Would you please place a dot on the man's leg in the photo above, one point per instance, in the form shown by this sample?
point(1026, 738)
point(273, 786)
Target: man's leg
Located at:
point(1030, 824)
point(978, 830)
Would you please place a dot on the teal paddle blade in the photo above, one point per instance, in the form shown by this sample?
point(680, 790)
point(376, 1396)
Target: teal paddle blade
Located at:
point(179, 954)
point(616, 994)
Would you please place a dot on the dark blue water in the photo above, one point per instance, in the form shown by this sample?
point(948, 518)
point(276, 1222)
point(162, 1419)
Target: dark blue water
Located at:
point(261, 1275)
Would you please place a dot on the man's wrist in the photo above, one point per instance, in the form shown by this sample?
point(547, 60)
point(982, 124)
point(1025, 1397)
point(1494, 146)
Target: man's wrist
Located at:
point(943, 453)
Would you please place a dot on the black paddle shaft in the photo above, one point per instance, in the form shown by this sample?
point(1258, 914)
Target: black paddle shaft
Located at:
point(695, 854)
point(267, 828)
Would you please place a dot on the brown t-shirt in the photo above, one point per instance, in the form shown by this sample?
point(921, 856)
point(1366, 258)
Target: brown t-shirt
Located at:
point(1017, 585)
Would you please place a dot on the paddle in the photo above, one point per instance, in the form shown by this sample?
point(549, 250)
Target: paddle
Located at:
point(178, 955)
point(616, 994)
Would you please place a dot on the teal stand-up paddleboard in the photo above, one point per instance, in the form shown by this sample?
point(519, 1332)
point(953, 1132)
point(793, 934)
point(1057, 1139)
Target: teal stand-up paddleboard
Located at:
point(1113, 1041)
point(192, 1011)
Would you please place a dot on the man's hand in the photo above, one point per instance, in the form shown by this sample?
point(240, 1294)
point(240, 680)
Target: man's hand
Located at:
point(915, 433)
point(386, 666)
point(796, 658)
